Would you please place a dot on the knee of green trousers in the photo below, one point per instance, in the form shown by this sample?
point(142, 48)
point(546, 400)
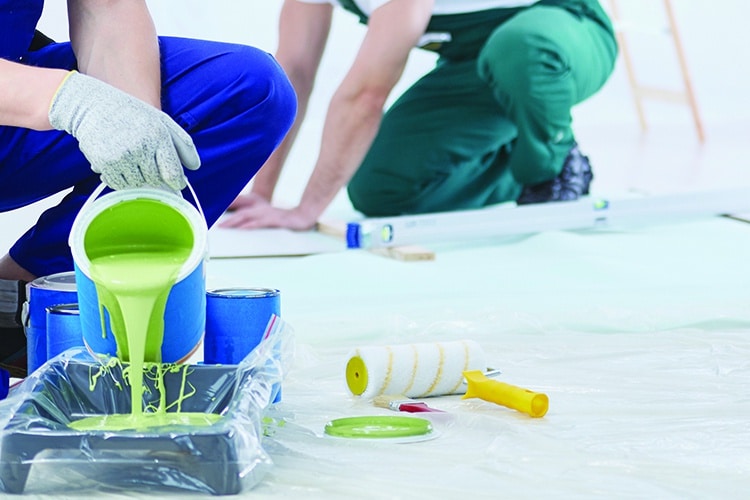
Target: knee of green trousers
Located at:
point(426, 184)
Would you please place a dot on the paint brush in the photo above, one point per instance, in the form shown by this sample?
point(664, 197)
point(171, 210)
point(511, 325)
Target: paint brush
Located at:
point(402, 403)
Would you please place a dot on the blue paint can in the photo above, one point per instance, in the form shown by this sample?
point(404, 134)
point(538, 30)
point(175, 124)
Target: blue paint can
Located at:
point(63, 329)
point(110, 218)
point(236, 319)
point(4, 383)
point(42, 293)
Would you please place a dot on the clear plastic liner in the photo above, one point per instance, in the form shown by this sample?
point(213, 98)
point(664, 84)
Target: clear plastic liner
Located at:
point(226, 457)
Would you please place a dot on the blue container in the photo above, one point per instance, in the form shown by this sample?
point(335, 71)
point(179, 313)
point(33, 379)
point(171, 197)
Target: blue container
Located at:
point(236, 319)
point(63, 329)
point(4, 383)
point(185, 312)
point(42, 293)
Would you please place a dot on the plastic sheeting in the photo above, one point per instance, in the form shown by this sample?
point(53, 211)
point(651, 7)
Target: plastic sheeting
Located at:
point(41, 452)
point(640, 337)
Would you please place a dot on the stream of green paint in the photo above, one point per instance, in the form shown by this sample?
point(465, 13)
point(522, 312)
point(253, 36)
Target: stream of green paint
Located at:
point(133, 280)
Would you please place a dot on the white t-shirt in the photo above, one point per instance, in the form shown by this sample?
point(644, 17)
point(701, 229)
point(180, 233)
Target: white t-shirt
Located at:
point(441, 6)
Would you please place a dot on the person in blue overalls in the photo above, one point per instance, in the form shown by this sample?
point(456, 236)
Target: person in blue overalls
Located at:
point(119, 105)
point(491, 123)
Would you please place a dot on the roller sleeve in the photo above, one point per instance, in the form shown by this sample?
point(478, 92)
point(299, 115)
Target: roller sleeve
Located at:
point(413, 370)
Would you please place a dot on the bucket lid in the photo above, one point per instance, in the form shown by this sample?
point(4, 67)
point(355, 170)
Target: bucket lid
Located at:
point(93, 208)
point(64, 282)
point(380, 427)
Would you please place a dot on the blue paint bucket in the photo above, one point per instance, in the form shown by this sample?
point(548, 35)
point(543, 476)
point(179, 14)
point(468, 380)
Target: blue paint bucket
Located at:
point(109, 218)
point(4, 383)
point(236, 322)
point(42, 293)
point(63, 329)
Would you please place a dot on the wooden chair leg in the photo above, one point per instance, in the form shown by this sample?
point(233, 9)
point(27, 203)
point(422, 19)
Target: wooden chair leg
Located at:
point(629, 66)
point(640, 91)
point(690, 95)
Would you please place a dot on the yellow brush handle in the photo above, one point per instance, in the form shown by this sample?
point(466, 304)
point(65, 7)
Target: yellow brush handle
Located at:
point(532, 403)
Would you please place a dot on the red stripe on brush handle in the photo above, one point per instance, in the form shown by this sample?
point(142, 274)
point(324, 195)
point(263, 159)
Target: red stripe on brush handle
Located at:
point(417, 408)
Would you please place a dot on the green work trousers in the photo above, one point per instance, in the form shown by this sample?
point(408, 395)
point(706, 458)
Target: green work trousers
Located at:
point(473, 131)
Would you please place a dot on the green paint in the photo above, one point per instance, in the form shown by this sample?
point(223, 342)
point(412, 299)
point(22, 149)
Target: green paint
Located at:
point(147, 421)
point(156, 418)
point(136, 251)
point(133, 287)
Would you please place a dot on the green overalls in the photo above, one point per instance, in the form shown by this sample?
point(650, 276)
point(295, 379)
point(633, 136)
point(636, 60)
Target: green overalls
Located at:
point(493, 115)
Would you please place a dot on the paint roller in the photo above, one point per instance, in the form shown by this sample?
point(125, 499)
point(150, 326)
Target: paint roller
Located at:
point(435, 369)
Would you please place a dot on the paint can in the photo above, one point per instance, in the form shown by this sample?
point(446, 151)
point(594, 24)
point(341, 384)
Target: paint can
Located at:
point(236, 319)
point(42, 293)
point(143, 218)
point(63, 329)
point(4, 383)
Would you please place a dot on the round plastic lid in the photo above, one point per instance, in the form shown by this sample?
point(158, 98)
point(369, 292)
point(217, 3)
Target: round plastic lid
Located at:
point(379, 427)
point(65, 282)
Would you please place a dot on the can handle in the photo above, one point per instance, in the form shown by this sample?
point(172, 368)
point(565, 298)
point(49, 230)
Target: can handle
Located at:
point(96, 192)
point(195, 199)
point(94, 195)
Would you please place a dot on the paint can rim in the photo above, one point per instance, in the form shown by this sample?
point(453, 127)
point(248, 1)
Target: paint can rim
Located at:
point(243, 292)
point(197, 222)
point(63, 282)
point(70, 309)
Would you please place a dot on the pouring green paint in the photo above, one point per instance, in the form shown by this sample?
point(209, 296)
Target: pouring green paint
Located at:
point(133, 280)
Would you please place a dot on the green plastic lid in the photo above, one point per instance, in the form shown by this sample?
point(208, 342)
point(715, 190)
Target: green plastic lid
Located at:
point(379, 427)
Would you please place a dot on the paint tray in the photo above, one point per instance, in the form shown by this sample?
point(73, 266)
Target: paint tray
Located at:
point(223, 458)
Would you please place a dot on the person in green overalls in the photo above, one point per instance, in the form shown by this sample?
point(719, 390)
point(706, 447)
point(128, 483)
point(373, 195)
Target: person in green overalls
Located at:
point(491, 123)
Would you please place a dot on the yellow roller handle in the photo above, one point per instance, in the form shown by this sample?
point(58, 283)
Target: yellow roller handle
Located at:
point(534, 404)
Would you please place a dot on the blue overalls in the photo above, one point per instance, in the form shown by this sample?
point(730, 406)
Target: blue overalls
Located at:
point(234, 100)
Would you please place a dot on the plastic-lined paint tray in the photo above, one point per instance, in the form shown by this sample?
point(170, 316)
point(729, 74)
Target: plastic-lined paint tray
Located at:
point(222, 458)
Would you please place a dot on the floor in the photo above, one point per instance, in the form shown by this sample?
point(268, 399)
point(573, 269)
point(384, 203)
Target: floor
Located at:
point(640, 336)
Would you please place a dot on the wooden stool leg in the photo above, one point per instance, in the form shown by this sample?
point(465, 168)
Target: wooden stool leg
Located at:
point(687, 96)
point(629, 67)
point(684, 70)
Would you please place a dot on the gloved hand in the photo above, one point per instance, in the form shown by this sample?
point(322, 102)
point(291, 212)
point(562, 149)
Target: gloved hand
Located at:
point(129, 142)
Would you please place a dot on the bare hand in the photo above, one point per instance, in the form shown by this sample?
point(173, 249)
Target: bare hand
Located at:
point(245, 200)
point(253, 212)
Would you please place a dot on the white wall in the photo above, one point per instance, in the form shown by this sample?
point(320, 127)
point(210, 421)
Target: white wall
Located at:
point(714, 35)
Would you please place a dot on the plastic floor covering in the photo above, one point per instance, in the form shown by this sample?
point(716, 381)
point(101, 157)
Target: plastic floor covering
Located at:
point(640, 337)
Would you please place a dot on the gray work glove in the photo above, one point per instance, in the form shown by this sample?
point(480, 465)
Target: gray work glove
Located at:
point(129, 142)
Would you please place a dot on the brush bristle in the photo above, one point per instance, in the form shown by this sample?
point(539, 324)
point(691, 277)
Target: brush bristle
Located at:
point(389, 401)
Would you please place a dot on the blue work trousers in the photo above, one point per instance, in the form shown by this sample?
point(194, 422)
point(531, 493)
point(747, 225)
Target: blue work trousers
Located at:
point(234, 100)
